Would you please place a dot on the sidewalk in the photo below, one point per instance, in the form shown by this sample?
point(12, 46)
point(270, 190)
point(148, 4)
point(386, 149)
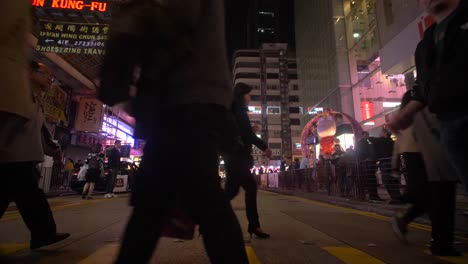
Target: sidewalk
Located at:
point(382, 208)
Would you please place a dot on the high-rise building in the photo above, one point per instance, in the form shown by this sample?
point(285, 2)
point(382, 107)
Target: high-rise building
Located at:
point(272, 72)
point(251, 23)
point(338, 45)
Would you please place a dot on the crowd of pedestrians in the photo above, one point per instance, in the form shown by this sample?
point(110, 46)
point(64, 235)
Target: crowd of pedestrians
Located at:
point(184, 79)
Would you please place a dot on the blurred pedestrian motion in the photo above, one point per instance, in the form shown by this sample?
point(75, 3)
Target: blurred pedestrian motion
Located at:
point(184, 79)
point(23, 137)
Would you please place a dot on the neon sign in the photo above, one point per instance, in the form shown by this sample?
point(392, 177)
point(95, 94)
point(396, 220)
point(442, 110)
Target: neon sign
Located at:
point(72, 5)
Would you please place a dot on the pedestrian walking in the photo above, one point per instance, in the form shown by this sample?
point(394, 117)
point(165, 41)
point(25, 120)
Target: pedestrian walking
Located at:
point(69, 167)
point(431, 182)
point(441, 63)
point(113, 163)
point(95, 162)
point(239, 164)
point(21, 130)
point(384, 148)
point(367, 158)
point(184, 79)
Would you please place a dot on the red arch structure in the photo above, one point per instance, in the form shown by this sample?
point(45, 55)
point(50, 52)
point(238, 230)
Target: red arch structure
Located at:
point(310, 127)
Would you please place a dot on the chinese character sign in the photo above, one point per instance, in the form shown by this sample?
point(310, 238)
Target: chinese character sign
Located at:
point(89, 116)
point(60, 37)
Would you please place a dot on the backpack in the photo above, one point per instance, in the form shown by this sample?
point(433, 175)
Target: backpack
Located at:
point(94, 163)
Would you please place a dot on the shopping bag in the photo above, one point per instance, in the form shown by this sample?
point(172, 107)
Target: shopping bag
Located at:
point(178, 224)
point(82, 174)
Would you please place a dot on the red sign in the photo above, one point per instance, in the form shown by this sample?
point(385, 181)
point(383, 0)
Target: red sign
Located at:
point(71, 4)
point(367, 109)
point(424, 24)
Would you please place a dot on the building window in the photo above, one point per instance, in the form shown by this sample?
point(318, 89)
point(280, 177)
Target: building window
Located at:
point(294, 110)
point(295, 87)
point(256, 110)
point(295, 122)
point(294, 98)
point(275, 145)
point(292, 76)
point(315, 111)
point(273, 98)
point(256, 98)
point(272, 87)
point(274, 110)
point(247, 75)
point(272, 76)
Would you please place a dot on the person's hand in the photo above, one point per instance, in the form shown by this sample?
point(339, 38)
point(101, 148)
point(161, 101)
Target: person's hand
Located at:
point(399, 122)
point(268, 153)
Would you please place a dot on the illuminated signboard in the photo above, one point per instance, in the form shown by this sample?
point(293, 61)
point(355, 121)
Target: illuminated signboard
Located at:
point(95, 6)
point(60, 37)
point(367, 109)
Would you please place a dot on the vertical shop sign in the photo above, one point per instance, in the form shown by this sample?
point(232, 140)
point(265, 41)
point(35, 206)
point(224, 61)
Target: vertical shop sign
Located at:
point(367, 109)
point(89, 116)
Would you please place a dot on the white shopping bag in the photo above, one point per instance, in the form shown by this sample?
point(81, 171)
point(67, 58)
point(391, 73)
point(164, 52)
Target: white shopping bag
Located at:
point(82, 174)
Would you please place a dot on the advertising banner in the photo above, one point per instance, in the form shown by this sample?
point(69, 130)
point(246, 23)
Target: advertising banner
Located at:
point(121, 183)
point(55, 103)
point(72, 38)
point(89, 115)
point(273, 180)
point(264, 180)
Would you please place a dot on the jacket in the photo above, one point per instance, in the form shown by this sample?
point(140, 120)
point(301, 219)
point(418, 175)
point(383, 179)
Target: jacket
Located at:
point(113, 160)
point(21, 141)
point(248, 137)
point(15, 24)
point(444, 87)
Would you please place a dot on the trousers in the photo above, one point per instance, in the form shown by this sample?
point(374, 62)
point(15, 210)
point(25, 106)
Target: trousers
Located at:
point(238, 175)
point(195, 185)
point(20, 185)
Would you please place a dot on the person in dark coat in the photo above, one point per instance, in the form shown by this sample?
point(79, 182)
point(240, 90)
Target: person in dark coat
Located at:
point(238, 165)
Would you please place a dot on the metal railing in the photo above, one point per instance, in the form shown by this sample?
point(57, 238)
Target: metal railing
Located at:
point(365, 180)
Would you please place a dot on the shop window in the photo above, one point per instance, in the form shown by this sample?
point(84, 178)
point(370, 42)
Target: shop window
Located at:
point(274, 110)
point(257, 110)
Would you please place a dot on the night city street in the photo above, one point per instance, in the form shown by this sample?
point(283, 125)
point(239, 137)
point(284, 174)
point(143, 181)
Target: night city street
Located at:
point(302, 231)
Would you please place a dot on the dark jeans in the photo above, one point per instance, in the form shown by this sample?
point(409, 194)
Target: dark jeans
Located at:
point(391, 184)
point(238, 174)
point(455, 143)
point(195, 131)
point(20, 185)
point(111, 180)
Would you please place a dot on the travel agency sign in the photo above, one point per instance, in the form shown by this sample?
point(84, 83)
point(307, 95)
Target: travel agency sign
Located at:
point(71, 37)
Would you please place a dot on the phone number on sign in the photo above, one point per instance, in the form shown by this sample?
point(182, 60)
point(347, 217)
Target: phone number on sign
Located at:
point(77, 43)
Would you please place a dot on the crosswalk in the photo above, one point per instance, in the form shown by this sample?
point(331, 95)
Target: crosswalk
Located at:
point(107, 253)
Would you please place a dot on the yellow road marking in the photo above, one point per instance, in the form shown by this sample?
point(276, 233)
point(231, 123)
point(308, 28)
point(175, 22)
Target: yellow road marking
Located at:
point(363, 213)
point(351, 255)
point(251, 255)
point(14, 215)
point(7, 249)
point(106, 254)
point(457, 260)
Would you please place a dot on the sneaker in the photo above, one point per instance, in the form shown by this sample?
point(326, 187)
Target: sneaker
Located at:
point(114, 195)
point(108, 195)
point(35, 244)
point(89, 198)
point(399, 229)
